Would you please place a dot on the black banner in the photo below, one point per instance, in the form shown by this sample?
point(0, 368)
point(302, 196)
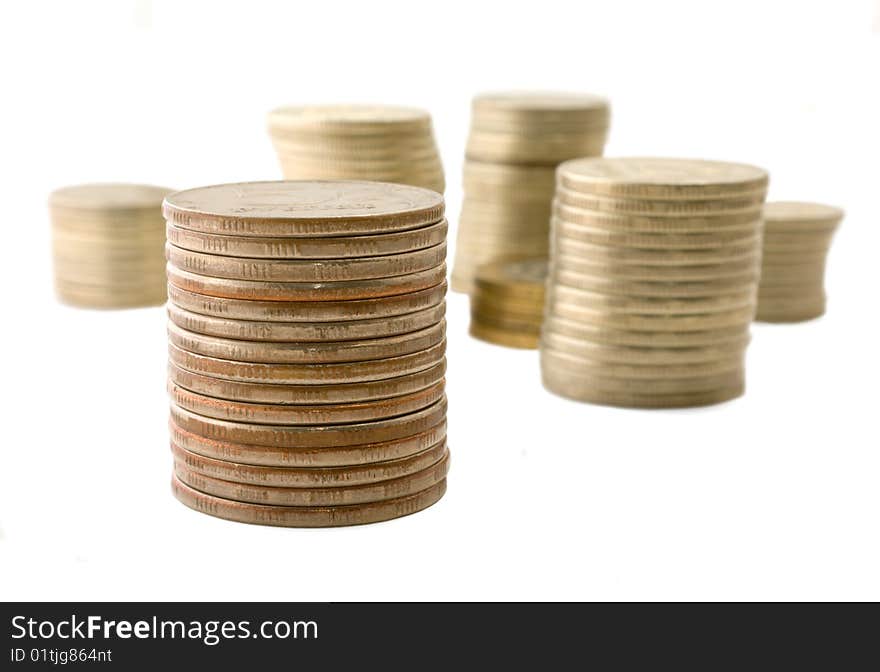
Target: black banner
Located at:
point(409, 636)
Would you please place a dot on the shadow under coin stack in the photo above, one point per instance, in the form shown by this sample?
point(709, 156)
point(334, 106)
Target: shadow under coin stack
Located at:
point(108, 244)
point(515, 143)
point(507, 302)
point(357, 142)
point(652, 281)
point(797, 237)
point(307, 343)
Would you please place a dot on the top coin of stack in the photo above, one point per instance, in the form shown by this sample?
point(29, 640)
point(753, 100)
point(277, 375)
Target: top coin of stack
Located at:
point(307, 343)
point(797, 237)
point(108, 245)
point(357, 142)
point(652, 281)
point(515, 142)
point(507, 302)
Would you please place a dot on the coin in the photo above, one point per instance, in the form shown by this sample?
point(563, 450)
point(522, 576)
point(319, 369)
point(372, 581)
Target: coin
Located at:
point(656, 241)
point(581, 346)
point(293, 352)
point(648, 322)
point(301, 270)
point(652, 288)
point(305, 291)
point(336, 456)
point(655, 208)
point(336, 393)
point(304, 516)
point(644, 338)
point(306, 331)
point(324, 496)
point(309, 248)
point(661, 178)
point(747, 221)
point(309, 477)
point(291, 414)
point(106, 241)
point(302, 374)
point(311, 311)
point(575, 364)
point(611, 304)
point(505, 337)
point(569, 247)
point(312, 209)
point(743, 270)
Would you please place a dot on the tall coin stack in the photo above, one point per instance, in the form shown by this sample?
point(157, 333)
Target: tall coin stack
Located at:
point(652, 281)
point(357, 142)
point(307, 343)
point(108, 244)
point(515, 143)
point(797, 237)
point(507, 302)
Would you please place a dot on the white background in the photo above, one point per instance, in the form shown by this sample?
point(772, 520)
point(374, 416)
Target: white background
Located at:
point(772, 496)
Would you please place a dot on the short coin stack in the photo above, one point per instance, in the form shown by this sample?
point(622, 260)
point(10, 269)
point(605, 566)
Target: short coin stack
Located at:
point(797, 237)
point(652, 281)
point(515, 143)
point(108, 244)
point(507, 302)
point(307, 343)
point(357, 142)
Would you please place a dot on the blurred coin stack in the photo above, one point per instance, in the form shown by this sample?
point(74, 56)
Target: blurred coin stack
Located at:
point(515, 143)
point(306, 347)
point(108, 244)
point(652, 281)
point(357, 142)
point(507, 302)
point(797, 237)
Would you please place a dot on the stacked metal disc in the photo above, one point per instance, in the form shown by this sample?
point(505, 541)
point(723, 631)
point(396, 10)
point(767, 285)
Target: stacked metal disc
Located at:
point(108, 244)
point(652, 281)
point(307, 343)
point(797, 237)
point(515, 143)
point(507, 302)
point(357, 142)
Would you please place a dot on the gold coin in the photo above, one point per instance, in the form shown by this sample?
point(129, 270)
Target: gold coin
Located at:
point(336, 456)
point(292, 352)
point(309, 248)
point(311, 436)
point(509, 322)
point(307, 516)
point(355, 330)
point(661, 178)
point(528, 274)
point(309, 477)
point(279, 393)
point(325, 496)
point(259, 290)
point(510, 339)
point(291, 414)
point(304, 374)
point(302, 270)
point(339, 208)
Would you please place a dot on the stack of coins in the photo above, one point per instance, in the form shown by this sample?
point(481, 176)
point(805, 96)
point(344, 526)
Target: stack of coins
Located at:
point(307, 343)
point(652, 282)
point(797, 237)
point(357, 142)
point(507, 302)
point(515, 143)
point(108, 244)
